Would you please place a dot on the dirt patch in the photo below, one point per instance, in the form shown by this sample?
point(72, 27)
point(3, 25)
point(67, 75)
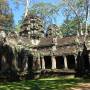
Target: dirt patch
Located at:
point(81, 86)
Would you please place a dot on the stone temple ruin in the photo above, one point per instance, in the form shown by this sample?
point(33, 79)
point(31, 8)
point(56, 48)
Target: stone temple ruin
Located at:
point(31, 54)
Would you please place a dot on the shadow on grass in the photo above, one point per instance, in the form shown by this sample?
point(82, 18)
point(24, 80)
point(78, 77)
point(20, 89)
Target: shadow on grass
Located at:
point(52, 84)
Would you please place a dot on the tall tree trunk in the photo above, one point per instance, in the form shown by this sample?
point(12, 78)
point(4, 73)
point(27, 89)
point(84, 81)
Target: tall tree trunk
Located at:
point(87, 6)
point(27, 6)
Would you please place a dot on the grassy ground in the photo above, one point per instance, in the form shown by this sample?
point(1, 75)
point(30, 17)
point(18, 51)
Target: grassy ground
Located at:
point(62, 83)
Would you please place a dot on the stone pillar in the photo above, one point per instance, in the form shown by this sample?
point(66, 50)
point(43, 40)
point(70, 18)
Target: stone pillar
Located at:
point(34, 63)
point(26, 63)
point(4, 64)
point(15, 65)
point(38, 63)
point(65, 62)
point(53, 62)
point(75, 56)
point(43, 62)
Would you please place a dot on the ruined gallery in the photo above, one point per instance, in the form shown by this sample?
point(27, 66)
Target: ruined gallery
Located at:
point(31, 53)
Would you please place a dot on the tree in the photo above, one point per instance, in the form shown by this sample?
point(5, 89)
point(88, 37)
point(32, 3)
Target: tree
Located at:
point(6, 16)
point(69, 27)
point(76, 9)
point(25, 3)
point(46, 11)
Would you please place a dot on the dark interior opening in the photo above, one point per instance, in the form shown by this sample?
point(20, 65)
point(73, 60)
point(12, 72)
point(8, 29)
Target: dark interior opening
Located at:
point(59, 62)
point(30, 67)
point(0, 62)
point(71, 61)
point(30, 62)
point(48, 63)
point(20, 60)
point(86, 61)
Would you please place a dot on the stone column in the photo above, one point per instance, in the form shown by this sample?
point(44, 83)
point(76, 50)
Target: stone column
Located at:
point(65, 62)
point(53, 62)
point(4, 64)
point(26, 63)
point(15, 64)
point(39, 62)
point(75, 56)
point(43, 62)
point(34, 63)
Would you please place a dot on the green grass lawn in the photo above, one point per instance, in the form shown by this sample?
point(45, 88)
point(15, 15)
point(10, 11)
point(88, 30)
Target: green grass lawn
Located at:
point(60, 83)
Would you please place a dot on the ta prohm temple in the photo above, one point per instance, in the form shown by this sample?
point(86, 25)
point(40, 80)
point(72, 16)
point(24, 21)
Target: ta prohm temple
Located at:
point(32, 54)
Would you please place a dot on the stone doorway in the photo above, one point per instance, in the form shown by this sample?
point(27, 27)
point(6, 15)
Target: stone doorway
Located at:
point(59, 62)
point(86, 61)
point(30, 67)
point(30, 62)
point(48, 62)
point(71, 61)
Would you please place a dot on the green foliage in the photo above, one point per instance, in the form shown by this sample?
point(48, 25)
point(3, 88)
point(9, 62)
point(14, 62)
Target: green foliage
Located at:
point(6, 16)
point(44, 9)
point(47, 11)
point(61, 83)
point(75, 9)
point(69, 27)
point(17, 28)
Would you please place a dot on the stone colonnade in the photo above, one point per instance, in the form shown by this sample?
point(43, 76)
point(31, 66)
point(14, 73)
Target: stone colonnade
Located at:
point(41, 62)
